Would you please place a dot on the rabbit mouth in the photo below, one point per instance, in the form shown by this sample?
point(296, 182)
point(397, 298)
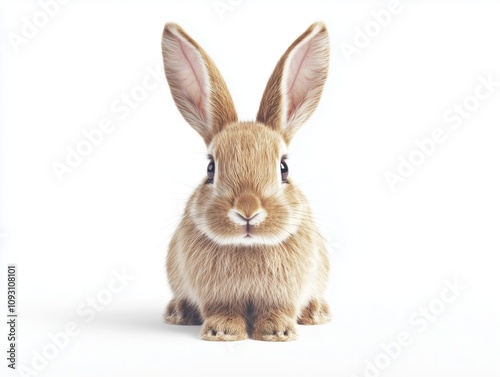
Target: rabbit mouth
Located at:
point(245, 233)
point(248, 230)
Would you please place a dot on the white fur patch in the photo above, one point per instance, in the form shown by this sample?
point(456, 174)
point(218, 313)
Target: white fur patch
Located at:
point(237, 218)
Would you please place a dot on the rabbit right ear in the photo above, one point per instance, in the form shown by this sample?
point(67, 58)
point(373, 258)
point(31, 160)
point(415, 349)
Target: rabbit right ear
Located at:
point(294, 89)
point(198, 89)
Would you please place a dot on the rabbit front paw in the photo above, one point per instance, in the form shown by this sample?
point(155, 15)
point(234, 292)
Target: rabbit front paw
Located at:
point(224, 328)
point(275, 329)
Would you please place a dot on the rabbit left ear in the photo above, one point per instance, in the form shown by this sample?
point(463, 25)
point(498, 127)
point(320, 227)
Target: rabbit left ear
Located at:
point(294, 89)
point(198, 89)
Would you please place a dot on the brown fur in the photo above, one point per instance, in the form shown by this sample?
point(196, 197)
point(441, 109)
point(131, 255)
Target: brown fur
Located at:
point(182, 312)
point(272, 100)
point(221, 107)
point(236, 287)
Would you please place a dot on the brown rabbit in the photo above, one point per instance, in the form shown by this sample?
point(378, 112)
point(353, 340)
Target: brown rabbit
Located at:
point(247, 258)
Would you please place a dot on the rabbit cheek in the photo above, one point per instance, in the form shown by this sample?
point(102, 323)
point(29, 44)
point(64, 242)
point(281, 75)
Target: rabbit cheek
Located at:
point(285, 215)
point(209, 213)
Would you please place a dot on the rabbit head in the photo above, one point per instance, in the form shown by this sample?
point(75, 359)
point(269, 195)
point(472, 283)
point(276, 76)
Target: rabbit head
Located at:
point(247, 197)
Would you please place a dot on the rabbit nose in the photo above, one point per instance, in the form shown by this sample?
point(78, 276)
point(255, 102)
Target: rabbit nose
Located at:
point(241, 218)
point(247, 210)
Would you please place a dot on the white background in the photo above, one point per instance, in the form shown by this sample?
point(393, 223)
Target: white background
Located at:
point(391, 251)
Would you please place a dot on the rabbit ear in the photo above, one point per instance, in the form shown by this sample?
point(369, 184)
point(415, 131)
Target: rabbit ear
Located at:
point(294, 89)
point(198, 89)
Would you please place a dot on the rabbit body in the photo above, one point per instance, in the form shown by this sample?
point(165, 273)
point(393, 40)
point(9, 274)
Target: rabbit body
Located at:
point(247, 259)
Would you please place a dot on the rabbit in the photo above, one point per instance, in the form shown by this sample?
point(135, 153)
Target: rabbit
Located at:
point(247, 260)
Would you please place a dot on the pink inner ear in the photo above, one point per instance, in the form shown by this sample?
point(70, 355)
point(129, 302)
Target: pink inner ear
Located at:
point(192, 76)
point(299, 78)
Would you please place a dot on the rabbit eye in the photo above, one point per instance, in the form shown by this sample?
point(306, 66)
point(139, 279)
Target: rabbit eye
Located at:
point(211, 171)
point(284, 171)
